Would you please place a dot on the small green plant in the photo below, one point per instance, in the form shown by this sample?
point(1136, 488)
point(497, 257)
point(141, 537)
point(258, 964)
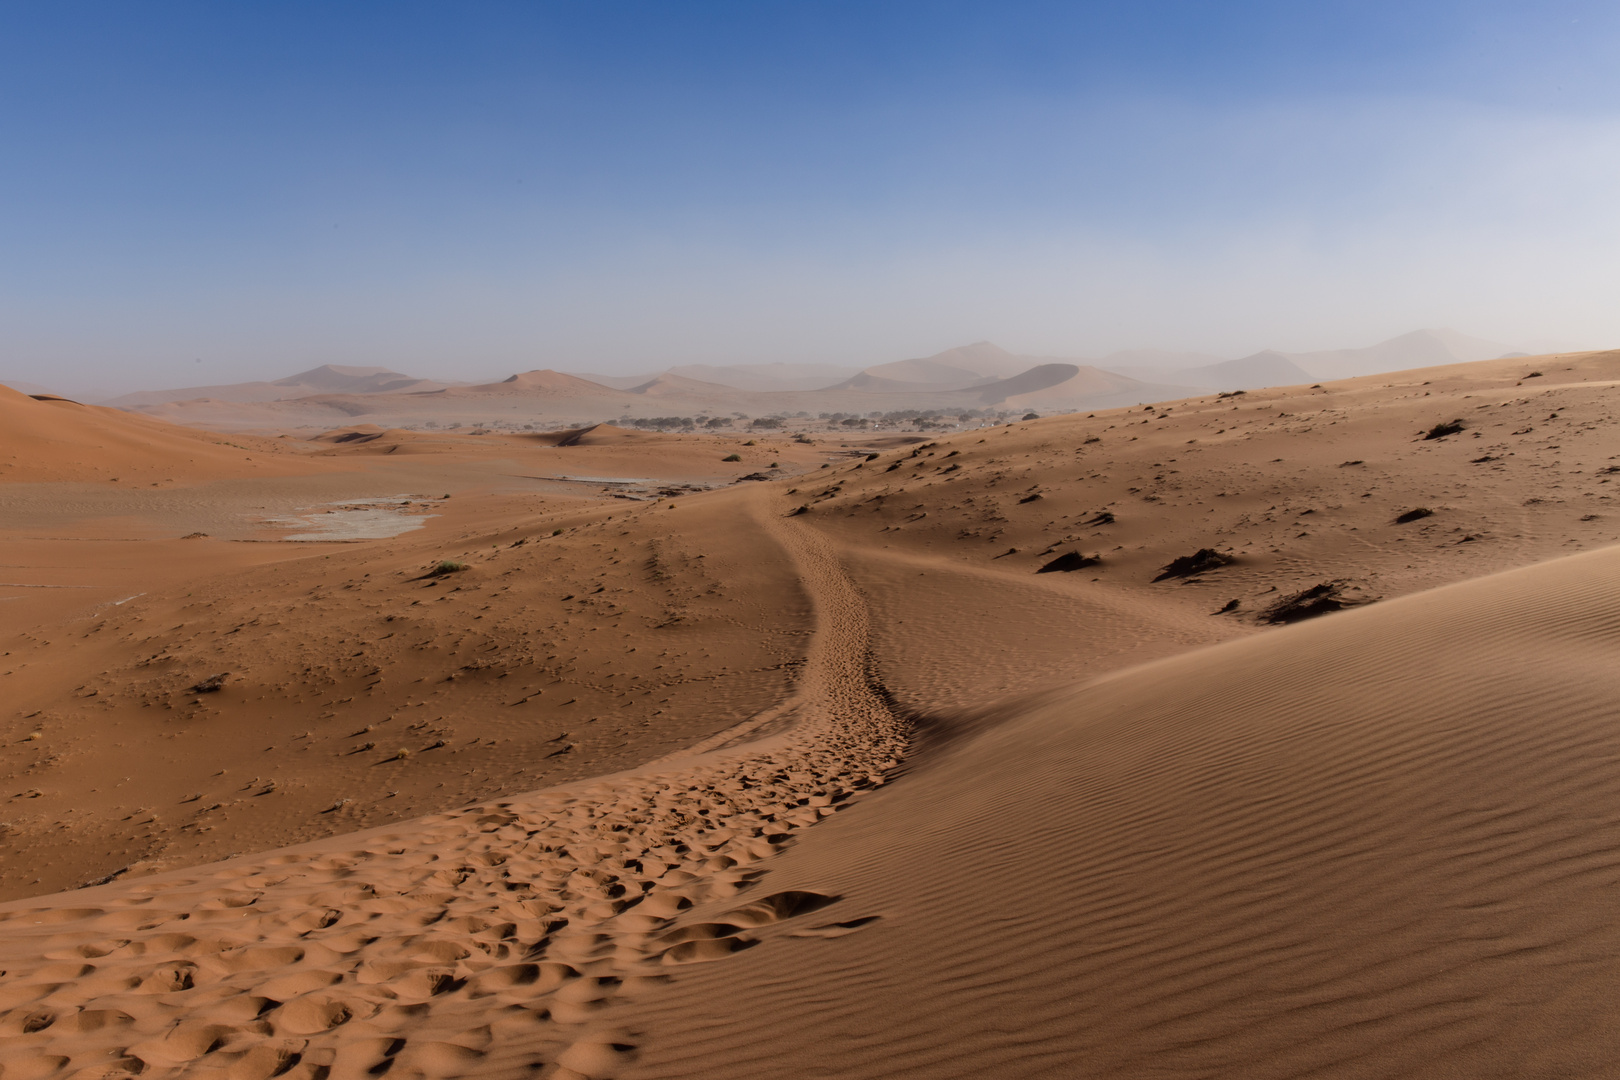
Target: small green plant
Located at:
point(556, 532)
point(732, 457)
point(447, 566)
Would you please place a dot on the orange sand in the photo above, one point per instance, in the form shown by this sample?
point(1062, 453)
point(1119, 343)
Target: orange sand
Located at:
point(1072, 823)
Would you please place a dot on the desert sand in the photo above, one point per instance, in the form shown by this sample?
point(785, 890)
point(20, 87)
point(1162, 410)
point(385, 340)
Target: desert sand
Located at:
point(1252, 735)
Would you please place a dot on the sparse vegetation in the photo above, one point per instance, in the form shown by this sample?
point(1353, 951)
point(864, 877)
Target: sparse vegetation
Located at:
point(1197, 563)
point(1069, 562)
point(732, 457)
point(661, 423)
point(1329, 596)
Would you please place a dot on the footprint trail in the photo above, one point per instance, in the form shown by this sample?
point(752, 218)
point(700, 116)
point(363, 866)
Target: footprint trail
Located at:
point(484, 942)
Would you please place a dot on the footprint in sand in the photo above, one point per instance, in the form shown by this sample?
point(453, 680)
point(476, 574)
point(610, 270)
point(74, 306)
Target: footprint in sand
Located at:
point(496, 940)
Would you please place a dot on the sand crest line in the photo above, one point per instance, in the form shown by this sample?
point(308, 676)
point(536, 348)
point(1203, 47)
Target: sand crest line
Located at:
point(486, 940)
point(23, 585)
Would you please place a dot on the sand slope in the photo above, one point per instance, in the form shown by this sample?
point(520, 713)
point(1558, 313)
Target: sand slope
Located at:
point(1382, 844)
point(362, 691)
point(57, 439)
point(489, 941)
point(1300, 486)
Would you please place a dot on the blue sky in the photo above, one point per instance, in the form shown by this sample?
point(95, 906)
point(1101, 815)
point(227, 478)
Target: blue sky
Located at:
point(208, 192)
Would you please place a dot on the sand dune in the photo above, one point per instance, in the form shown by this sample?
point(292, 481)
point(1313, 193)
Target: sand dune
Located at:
point(595, 435)
point(1270, 367)
point(1079, 807)
point(1380, 844)
point(307, 967)
point(1420, 348)
point(552, 398)
point(968, 377)
point(1299, 486)
point(58, 439)
point(1067, 387)
point(1240, 862)
point(326, 379)
point(777, 376)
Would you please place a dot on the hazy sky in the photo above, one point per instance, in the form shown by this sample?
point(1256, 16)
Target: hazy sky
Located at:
point(206, 192)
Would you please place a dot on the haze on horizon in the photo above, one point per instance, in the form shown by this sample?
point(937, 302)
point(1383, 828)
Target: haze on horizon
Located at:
point(194, 194)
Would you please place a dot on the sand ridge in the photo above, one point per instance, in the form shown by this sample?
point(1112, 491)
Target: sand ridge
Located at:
point(542, 911)
point(1299, 486)
point(1384, 843)
point(57, 439)
point(361, 691)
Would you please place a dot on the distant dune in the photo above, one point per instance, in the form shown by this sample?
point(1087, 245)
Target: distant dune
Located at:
point(780, 376)
point(551, 384)
point(966, 377)
point(595, 435)
point(326, 379)
point(22, 386)
point(1268, 368)
point(553, 398)
point(60, 440)
point(1081, 388)
point(1421, 348)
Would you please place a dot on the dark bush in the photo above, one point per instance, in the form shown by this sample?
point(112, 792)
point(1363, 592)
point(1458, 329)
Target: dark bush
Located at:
point(1199, 561)
point(1069, 561)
